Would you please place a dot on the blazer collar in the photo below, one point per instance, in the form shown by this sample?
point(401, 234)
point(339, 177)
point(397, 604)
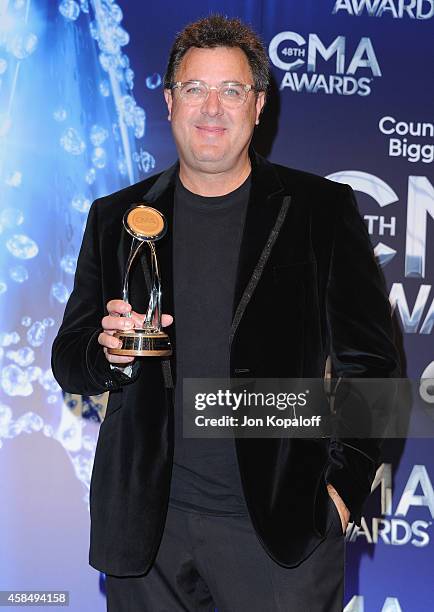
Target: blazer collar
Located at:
point(264, 179)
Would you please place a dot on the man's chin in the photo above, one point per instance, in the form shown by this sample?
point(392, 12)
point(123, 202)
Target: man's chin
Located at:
point(212, 161)
point(209, 154)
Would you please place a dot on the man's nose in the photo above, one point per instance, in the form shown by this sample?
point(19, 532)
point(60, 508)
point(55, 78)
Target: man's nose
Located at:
point(212, 105)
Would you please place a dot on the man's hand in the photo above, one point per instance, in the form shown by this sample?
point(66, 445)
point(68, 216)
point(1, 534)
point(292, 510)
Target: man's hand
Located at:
point(344, 513)
point(114, 322)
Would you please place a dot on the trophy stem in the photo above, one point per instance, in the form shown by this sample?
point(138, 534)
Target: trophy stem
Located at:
point(132, 255)
point(154, 307)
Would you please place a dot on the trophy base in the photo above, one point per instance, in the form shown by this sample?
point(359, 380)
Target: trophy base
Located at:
point(142, 343)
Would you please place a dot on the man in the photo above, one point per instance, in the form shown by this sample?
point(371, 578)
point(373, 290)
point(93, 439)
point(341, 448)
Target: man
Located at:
point(266, 271)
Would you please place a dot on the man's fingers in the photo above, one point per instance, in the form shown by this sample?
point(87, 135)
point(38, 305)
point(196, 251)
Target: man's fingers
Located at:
point(108, 341)
point(118, 307)
point(138, 319)
point(110, 322)
point(118, 359)
point(115, 308)
point(114, 321)
point(166, 319)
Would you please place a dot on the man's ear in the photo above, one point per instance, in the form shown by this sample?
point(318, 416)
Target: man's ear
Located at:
point(169, 100)
point(260, 103)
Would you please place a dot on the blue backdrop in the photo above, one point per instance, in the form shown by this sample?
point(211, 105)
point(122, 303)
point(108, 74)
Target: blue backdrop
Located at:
point(82, 115)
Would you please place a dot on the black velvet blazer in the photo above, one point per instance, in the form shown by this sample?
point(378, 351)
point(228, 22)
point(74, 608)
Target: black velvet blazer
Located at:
point(306, 255)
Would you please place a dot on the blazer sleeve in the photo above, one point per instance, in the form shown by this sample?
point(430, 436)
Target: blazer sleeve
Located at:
point(361, 346)
point(77, 359)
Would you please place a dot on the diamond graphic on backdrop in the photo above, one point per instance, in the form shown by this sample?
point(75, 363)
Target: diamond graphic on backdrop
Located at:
point(84, 5)
point(60, 292)
point(22, 45)
point(153, 81)
point(33, 373)
point(14, 381)
point(48, 322)
point(127, 105)
point(22, 357)
point(90, 176)
point(80, 203)
point(18, 274)
point(69, 9)
point(139, 122)
point(26, 321)
point(99, 157)
point(60, 114)
point(122, 167)
point(109, 46)
point(5, 417)
point(48, 381)
point(124, 61)
point(122, 38)
point(72, 142)
point(104, 88)
point(36, 334)
point(68, 264)
point(31, 422)
point(129, 78)
point(83, 467)
point(14, 179)
point(133, 115)
point(8, 338)
point(116, 13)
point(22, 247)
point(11, 217)
point(145, 160)
point(108, 61)
point(94, 30)
point(98, 135)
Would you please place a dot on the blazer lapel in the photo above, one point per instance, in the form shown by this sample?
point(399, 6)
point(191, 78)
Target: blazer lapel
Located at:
point(266, 211)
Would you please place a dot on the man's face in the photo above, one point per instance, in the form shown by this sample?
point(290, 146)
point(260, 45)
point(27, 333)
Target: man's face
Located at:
point(211, 137)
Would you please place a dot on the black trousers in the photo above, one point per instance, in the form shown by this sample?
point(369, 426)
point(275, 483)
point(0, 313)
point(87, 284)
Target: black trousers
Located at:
point(207, 562)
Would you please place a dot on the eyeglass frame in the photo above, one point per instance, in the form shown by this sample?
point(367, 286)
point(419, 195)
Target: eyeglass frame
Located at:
point(246, 86)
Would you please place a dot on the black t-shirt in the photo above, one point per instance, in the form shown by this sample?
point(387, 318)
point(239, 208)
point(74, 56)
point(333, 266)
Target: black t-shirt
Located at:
point(207, 237)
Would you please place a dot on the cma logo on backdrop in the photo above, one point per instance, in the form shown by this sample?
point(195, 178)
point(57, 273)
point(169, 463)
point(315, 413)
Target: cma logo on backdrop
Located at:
point(414, 9)
point(304, 62)
point(394, 528)
point(418, 318)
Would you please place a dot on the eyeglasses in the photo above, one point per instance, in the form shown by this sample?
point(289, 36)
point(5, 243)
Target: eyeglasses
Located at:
point(230, 94)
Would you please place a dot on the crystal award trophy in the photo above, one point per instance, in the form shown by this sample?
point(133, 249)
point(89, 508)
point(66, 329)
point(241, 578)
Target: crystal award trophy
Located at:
point(144, 224)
